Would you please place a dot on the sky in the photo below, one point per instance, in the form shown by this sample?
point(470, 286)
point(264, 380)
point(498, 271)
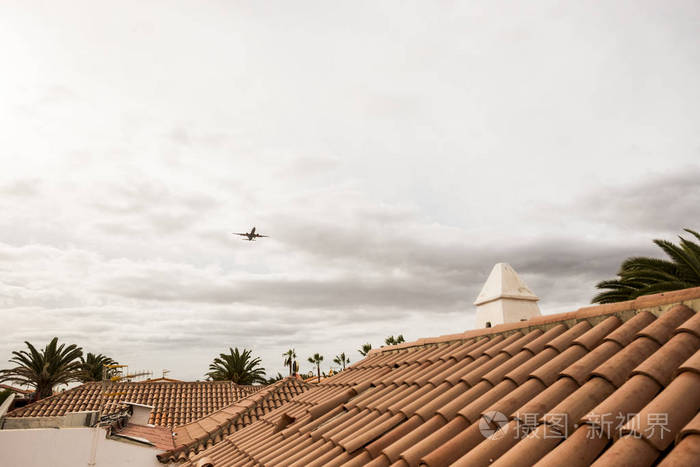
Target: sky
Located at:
point(393, 151)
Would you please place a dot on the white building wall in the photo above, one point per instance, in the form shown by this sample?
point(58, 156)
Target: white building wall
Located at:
point(70, 447)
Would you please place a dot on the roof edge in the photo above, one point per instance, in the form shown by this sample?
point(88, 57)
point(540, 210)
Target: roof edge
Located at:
point(586, 312)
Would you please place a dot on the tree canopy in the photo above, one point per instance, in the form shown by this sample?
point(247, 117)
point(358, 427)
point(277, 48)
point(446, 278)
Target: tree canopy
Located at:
point(341, 360)
point(46, 368)
point(391, 340)
point(643, 276)
point(364, 350)
point(239, 367)
point(92, 367)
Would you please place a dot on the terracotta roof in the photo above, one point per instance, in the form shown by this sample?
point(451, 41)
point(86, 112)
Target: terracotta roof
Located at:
point(537, 392)
point(200, 434)
point(160, 437)
point(173, 403)
point(163, 380)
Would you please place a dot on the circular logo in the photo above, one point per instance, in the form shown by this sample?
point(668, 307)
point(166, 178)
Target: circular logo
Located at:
point(491, 423)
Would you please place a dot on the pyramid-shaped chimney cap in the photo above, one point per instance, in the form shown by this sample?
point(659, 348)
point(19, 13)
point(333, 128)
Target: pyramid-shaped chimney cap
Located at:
point(504, 282)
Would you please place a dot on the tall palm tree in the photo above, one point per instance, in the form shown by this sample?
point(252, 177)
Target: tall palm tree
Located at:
point(391, 340)
point(239, 367)
point(44, 369)
point(289, 357)
point(93, 367)
point(364, 350)
point(316, 360)
point(643, 276)
point(341, 360)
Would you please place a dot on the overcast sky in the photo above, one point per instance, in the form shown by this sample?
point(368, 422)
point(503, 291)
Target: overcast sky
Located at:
point(394, 151)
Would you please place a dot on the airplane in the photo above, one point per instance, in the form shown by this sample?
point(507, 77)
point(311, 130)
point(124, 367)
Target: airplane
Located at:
point(250, 236)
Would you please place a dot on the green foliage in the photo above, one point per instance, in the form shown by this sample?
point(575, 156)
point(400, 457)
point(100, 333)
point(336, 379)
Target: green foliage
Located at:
point(274, 379)
point(289, 360)
point(364, 350)
point(391, 340)
point(239, 367)
point(93, 367)
point(45, 369)
point(643, 276)
point(316, 360)
point(4, 394)
point(341, 360)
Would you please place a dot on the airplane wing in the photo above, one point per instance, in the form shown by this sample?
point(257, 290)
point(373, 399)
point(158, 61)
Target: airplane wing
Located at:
point(258, 235)
point(241, 234)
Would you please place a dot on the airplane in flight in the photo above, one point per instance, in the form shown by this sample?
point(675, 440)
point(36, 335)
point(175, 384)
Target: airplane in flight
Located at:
point(250, 236)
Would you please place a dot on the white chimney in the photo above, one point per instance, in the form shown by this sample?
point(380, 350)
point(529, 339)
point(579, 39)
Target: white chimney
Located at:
point(504, 299)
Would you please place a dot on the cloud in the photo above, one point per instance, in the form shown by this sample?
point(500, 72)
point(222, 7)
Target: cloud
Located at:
point(391, 165)
point(664, 201)
point(21, 188)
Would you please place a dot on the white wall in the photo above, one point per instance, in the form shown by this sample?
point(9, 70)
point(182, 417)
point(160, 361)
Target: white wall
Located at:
point(505, 310)
point(70, 447)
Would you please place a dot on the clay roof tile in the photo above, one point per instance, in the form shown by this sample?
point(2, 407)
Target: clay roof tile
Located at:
point(497, 347)
point(618, 368)
point(594, 336)
point(425, 401)
point(692, 364)
point(562, 342)
point(628, 451)
point(691, 325)
point(663, 418)
point(692, 428)
point(661, 365)
point(687, 452)
point(581, 370)
point(625, 333)
point(664, 327)
point(517, 346)
point(568, 412)
point(548, 372)
point(538, 344)
point(623, 403)
point(580, 449)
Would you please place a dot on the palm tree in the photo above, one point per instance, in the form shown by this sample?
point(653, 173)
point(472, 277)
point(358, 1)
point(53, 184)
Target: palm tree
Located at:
point(44, 369)
point(341, 360)
point(289, 357)
point(643, 276)
point(364, 350)
point(316, 360)
point(391, 340)
point(239, 367)
point(274, 379)
point(4, 394)
point(93, 367)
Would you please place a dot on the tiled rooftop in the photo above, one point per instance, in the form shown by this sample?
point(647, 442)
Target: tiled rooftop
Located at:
point(173, 403)
point(196, 436)
point(609, 385)
point(160, 437)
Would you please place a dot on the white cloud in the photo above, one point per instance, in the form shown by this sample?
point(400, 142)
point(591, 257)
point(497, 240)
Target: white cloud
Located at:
point(393, 154)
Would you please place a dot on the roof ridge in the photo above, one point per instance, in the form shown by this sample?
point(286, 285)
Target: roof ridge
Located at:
point(47, 400)
point(204, 396)
point(217, 432)
point(256, 393)
point(586, 312)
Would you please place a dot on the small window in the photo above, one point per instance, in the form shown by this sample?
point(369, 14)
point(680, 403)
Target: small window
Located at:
point(488, 324)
